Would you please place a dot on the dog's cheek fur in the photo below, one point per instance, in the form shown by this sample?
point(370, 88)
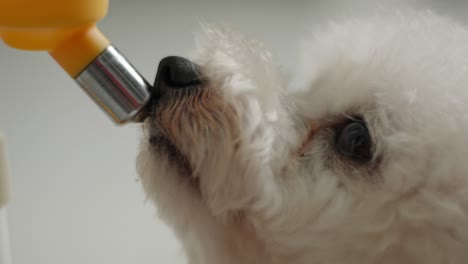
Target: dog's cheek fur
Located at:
point(204, 237)
point(414, 216)
point(249, 82)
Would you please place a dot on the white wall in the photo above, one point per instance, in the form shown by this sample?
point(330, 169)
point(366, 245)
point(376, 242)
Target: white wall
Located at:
point(75, 194)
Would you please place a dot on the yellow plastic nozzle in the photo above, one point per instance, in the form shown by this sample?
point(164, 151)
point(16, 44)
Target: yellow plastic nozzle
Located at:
point(64, 28)
point(74, 54)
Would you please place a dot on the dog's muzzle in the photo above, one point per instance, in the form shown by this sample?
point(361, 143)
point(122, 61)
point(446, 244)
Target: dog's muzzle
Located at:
point(180, 76)
point(174, 73)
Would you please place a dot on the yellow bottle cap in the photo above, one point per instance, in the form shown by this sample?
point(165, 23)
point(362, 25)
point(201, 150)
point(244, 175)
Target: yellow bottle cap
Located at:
point(65, 28)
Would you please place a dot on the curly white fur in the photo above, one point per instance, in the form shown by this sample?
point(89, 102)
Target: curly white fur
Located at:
point(256, 201)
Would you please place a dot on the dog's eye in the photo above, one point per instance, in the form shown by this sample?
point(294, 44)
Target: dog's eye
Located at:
point(354, 142)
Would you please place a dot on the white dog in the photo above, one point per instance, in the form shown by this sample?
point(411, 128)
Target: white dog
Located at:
point(365, 162)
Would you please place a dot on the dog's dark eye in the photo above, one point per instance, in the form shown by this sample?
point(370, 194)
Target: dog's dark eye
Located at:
point(354, 142)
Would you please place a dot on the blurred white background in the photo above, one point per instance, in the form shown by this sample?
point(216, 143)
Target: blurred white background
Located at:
point(75, 195)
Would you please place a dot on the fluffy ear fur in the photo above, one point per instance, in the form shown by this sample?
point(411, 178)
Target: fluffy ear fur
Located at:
point(252, 193)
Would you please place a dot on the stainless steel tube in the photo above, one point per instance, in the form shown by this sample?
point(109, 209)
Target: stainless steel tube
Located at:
point(115, 86)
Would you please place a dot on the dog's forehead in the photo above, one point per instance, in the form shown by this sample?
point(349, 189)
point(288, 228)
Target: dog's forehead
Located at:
point(406, 66)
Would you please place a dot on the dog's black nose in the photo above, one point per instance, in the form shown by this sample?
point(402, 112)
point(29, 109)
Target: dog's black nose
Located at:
point(176, 73)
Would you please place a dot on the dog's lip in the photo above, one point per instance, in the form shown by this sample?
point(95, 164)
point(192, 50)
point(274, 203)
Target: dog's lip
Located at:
point(163, 144)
